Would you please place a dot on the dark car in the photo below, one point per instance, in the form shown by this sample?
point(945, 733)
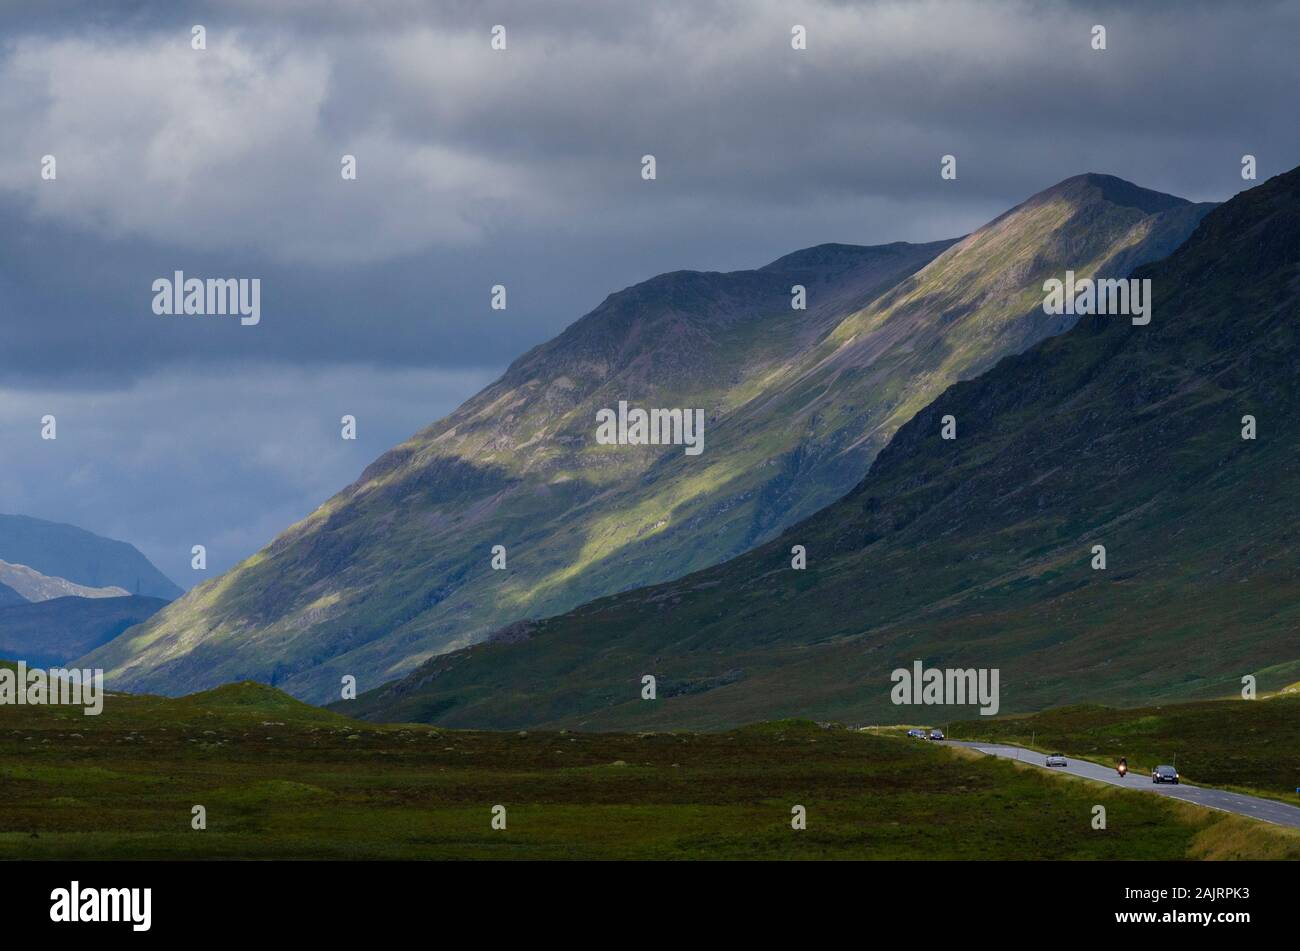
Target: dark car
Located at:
point(936, 734)
point(1164, 774)
point(920, 734)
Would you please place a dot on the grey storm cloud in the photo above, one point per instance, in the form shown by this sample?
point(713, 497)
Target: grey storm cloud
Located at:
point(479, 167)
point(520, 167)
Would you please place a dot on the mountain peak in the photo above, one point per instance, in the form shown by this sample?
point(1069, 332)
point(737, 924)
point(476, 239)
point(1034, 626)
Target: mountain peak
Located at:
point(1110, 188)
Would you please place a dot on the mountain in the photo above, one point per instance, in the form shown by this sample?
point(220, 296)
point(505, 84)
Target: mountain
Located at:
point(977, 552)
point(396, 568)
point(54, 632)
point(64, 551)
point(31, 585)
point(9, 596)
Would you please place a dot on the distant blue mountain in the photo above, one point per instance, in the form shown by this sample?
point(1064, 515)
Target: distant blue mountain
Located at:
point(65, 551)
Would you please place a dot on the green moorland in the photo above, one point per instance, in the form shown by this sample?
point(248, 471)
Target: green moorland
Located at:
point(280, 779)
point(1248, 745)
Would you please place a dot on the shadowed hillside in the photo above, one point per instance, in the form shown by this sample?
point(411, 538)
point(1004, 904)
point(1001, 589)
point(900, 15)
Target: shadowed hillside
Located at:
point(60, 629)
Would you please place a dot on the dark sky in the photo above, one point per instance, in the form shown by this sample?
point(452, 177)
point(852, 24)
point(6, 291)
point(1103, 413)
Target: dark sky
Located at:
point(519, 167)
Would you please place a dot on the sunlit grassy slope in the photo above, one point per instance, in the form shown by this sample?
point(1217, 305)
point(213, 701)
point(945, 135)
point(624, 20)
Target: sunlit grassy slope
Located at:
point(977, 552)
point(397, 566)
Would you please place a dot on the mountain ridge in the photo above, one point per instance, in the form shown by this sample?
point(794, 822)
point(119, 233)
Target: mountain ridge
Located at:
point(395, 568)
point(976, 551)
point(32, 585)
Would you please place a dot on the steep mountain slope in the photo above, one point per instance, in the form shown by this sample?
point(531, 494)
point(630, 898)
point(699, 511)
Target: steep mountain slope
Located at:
point(57, 630)
point(396, 567)
point(976, 552)
point(64, 551)
point(31, 585)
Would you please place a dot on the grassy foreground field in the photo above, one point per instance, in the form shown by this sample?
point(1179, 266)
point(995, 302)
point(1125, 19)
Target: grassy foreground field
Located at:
point(1251, 745)
point(280, 779)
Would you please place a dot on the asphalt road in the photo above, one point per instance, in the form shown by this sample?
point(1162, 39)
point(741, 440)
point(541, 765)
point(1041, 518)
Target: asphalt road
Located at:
point(1265, 810)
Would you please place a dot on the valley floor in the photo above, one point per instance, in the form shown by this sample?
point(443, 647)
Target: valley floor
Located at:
point(280, 779)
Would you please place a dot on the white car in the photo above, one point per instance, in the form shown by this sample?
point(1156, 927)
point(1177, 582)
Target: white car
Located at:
point(1056, 759)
